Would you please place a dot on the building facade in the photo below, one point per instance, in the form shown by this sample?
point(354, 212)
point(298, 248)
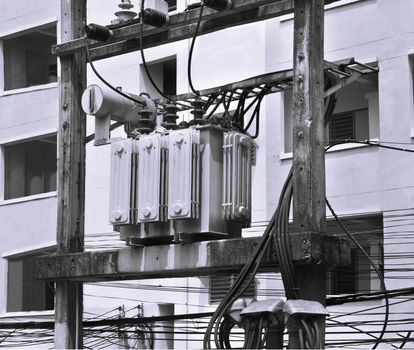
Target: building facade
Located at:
point(371, 188)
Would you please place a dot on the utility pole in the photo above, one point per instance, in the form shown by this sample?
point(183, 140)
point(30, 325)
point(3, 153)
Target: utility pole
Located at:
point(309, 213)
point(127, 263)
point(71, 175)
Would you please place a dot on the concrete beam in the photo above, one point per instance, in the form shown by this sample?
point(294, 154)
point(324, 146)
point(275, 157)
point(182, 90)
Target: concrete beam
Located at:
point(166, 261)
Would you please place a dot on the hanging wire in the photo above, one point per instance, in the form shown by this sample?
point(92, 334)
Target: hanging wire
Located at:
point(190, 55)
point(88, 55)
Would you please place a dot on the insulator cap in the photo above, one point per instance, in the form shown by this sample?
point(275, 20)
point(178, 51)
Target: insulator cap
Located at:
point(154, 18)
point(218, 5)
point(97, 32)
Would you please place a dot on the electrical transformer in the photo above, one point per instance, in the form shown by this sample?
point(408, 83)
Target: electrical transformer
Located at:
point(178, 184)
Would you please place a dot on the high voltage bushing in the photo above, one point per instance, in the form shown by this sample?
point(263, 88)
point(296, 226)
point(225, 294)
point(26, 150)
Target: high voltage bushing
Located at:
point(154, 18)
point(198, 112)
point(97, 32)
point(145, 125)
point(218, 5)
point(170, 117)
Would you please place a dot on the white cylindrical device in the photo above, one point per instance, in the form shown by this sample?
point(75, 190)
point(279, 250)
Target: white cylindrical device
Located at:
point(102, 101)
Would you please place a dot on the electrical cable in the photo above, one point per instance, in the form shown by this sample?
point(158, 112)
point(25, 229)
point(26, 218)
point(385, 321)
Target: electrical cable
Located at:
point(88, 56)
point(190, 55)
point(405, 340)
point(380, 277)
point(256, 114)
point(234, 291)
point(141, 50)
point(368, 142)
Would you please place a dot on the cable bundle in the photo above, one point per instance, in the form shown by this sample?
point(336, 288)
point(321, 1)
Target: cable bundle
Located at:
point(249, 270)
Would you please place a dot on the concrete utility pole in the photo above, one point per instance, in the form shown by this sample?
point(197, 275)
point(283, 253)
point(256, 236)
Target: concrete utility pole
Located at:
point(309, 213)
point(71, 176)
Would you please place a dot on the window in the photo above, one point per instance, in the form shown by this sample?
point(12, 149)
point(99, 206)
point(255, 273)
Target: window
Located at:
point(356, 114)
point(359, 277)
point(28, 60)
point(24, 291)
point(30, 167)
point(219, 285)
point(172, 5)
point(164, 74)
point(350, 125)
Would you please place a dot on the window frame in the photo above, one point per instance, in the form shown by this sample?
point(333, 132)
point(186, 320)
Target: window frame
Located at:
point(10, 142)
point(367, 241)
point(16, 254)
point(19, 32)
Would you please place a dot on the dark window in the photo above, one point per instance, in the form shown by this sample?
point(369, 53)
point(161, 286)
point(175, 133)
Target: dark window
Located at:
point(28, 59)
point(172, 5)
point(170, 77)
point(359, 277)
point(356, 115)
point(24, 291)
point(351, 125)
point(219, 285)
point(342, 126)
point(30, 167)
point(164, 74)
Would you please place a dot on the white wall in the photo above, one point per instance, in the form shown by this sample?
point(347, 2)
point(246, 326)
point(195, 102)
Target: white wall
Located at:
point(30, 222)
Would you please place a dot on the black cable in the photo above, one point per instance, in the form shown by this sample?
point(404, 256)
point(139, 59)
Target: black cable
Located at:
point(88, 56)
point(259, 334)
point(217, 105)
point(368, 142)
point(144, 62)
point(226, 106)
point(380, 277)
point(406, 338)
point(141, 50)
point(258, 100)
point(234, 291)
point(318, 340)
point(240, 106)
point(255, 115)
point(310, 340)
point(190, 55)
